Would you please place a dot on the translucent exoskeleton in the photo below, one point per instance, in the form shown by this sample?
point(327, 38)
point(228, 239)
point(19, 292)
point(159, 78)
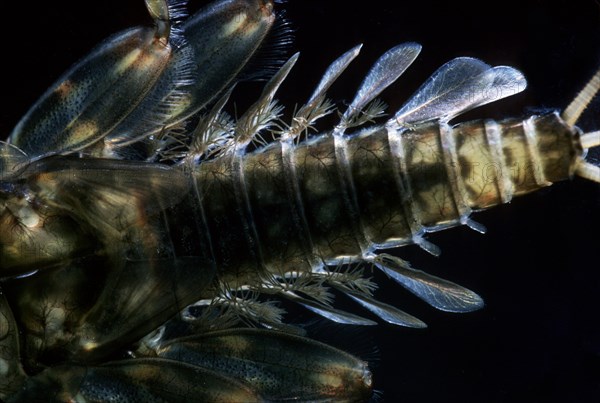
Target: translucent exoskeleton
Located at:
point(129, 213)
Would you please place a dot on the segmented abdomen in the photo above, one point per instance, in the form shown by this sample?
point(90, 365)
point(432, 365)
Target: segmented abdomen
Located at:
point(292, 207)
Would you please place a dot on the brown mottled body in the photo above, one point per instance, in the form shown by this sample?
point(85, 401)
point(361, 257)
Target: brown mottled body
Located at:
point(404, 183)
point(130, 233)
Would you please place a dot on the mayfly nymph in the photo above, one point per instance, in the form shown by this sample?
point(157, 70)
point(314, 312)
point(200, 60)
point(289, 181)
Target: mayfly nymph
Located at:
point(147, 235)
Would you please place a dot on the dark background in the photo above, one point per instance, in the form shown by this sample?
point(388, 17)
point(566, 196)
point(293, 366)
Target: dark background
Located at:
point(538, 338)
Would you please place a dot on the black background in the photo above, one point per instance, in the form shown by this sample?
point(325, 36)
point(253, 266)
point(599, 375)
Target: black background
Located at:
point(538, 338)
